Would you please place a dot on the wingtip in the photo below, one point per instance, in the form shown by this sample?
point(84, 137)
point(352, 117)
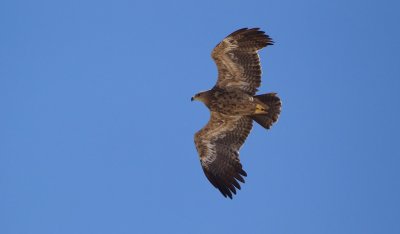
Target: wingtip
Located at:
point(256, 34)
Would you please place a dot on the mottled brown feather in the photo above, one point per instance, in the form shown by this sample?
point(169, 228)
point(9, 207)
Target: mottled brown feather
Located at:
point(218, 145)
point(237, 59)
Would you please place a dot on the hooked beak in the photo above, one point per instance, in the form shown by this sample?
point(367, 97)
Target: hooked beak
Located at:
point(192, 99)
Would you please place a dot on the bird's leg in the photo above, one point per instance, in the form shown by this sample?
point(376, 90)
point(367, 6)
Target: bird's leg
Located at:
point(260, 109)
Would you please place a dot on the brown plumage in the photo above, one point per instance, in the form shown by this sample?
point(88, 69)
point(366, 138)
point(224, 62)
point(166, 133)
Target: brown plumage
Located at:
point(234, 106)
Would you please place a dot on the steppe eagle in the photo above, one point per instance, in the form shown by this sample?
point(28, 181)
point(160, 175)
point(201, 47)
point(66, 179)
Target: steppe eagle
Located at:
point(233, 106)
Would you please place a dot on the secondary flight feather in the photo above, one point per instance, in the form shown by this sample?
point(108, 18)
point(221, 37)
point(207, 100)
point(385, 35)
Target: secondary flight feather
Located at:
point(234, 105)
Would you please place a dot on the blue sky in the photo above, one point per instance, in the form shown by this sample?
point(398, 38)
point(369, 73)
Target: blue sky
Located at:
point(96, 123)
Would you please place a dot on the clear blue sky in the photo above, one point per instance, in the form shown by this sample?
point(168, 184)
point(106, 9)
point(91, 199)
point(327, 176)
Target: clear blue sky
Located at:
point(96, 123)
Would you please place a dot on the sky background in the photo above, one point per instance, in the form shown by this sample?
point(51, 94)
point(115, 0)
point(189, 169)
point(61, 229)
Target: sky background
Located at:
point(96, 123)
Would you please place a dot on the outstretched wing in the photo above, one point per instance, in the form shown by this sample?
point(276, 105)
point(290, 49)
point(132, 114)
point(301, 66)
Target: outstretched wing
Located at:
point(218, 145)
point(237, 60)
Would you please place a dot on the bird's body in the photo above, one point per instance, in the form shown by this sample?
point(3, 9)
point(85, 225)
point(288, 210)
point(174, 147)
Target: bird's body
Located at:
point(233, 106)
point(232, 102)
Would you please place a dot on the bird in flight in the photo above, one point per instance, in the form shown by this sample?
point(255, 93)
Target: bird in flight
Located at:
point(234, 105)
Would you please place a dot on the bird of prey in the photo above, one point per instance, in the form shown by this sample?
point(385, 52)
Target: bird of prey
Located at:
point(234, 105)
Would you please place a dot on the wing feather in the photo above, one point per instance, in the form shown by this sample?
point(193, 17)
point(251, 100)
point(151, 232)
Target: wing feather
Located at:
point(218, 145)
point(237, 59)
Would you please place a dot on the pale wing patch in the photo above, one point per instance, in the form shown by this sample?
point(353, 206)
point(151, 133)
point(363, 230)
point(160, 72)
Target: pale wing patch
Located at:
point(237, 59)
point(218, 145)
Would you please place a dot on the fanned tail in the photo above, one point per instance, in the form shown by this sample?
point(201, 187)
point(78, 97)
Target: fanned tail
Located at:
point(273, 102)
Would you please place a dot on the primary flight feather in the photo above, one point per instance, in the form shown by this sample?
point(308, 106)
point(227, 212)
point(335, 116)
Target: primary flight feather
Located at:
point(233, 106)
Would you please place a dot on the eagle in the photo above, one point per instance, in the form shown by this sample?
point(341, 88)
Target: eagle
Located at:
point(234, 105)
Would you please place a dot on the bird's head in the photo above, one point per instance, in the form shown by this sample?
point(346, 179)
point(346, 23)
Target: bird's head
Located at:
point(202, 96)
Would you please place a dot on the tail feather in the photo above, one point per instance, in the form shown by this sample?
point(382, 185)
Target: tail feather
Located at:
point(274, 109)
